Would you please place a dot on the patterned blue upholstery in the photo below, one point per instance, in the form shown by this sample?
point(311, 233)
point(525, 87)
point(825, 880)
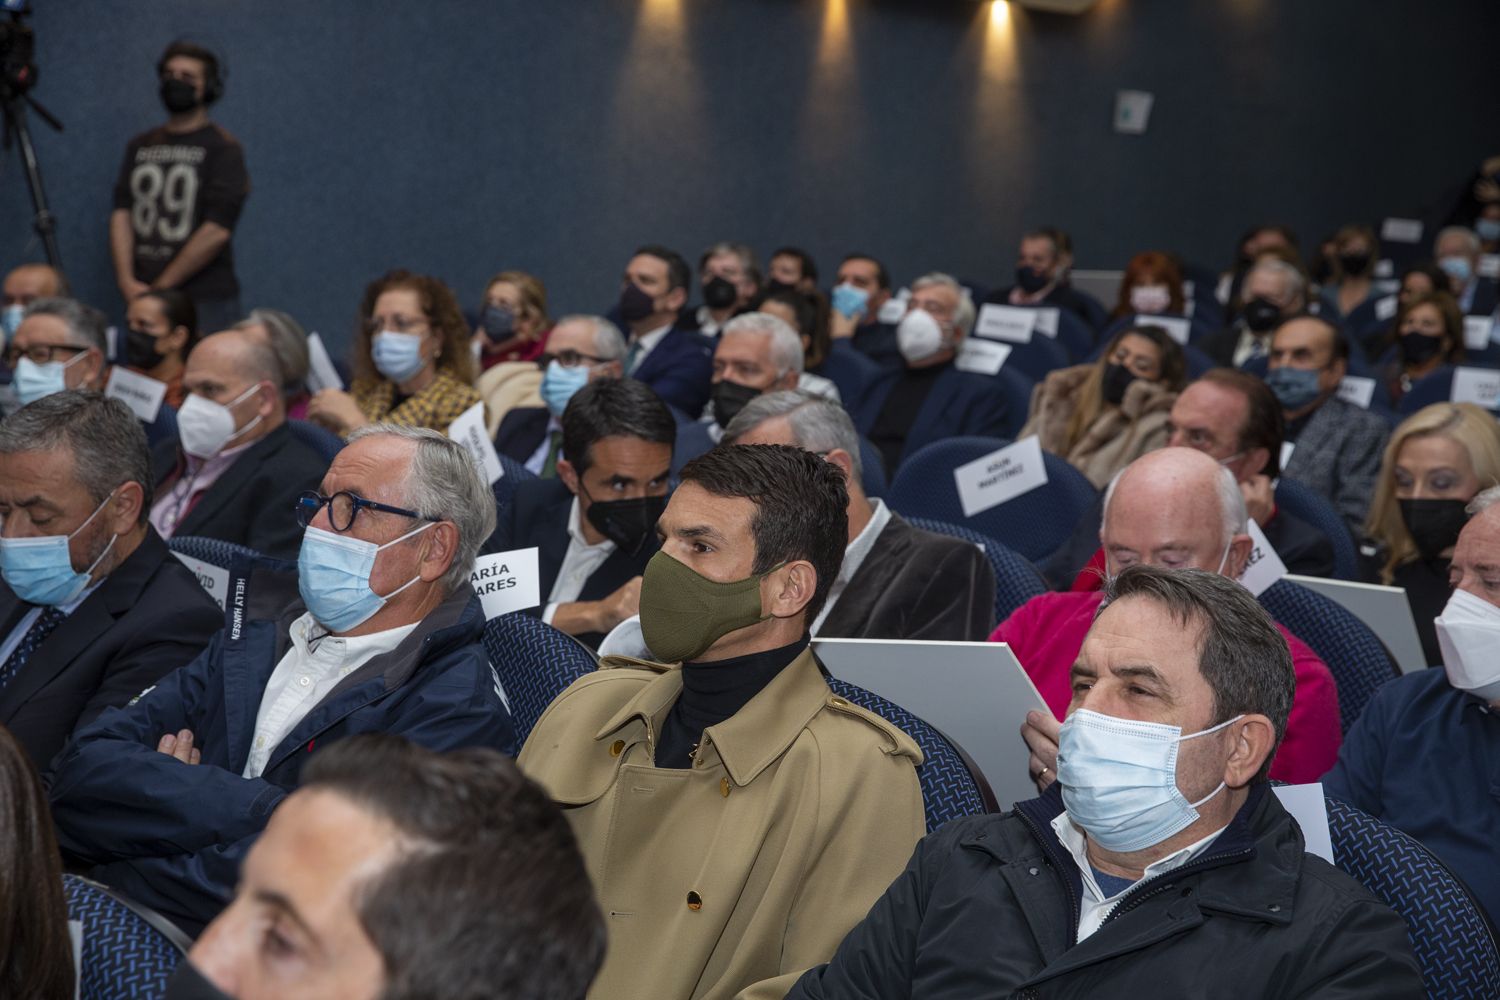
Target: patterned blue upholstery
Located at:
point(128, 951)
point(1357, 659)
point(505, 487)
point(871, 470)
point(1449, 933)
point(1033, 524)
point(214, 551)
point(1016, 580)
point(1301, 500)
point(535, 663)
point(950, 786)
point(319, 439)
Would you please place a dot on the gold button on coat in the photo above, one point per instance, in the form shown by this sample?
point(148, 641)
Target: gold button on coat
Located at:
point(724, 787)
point(616, 748)
point(694, 901)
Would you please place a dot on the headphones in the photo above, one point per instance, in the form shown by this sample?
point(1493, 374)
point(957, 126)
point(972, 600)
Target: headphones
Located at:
point(214, 71)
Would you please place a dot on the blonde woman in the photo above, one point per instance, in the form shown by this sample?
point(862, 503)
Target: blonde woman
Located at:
point(513, 322)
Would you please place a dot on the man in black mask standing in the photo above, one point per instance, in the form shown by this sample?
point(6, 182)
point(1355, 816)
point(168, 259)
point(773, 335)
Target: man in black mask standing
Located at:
point(179, 195)
point(595, 525)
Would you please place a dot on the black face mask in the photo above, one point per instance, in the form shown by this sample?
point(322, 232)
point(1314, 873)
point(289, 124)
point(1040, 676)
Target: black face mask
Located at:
point(179, 96)
point(141, 350)
point(498, 322)
point(1261, 315)
point(187, 983)
point(719, 293)
point(1434, 524)
point(627, 523)
point(729, 398)
point(635, 305)
point(1031, 279)
point(1354, 264)
point(1117, 379)
point(1417, 348)
point(774, 287)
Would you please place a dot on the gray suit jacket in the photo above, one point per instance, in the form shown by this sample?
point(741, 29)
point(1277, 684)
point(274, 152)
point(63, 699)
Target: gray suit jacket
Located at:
point(1338, 454)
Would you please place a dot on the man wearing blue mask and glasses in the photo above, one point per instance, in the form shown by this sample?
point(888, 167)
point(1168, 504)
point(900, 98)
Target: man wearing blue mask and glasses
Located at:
point(1159, 863)
point(384, 638)
point(58, 345)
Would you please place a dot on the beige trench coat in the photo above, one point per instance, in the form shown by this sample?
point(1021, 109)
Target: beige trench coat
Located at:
point(734, 876)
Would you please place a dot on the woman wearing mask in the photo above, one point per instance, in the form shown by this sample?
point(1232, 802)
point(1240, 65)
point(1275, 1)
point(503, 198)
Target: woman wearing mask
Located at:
point(412, 360)
point(1352, 282)
point(1436, 461)
point(36, 961)
point(513, 323)
point(1152, 286)
point(162, 327)
point(1429, 334)
point(1104, 415)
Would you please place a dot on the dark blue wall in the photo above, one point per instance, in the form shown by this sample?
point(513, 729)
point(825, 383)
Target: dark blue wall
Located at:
point(555, 135)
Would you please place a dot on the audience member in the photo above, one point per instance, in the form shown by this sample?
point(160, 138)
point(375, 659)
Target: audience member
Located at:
point(1424, 752)
point(288, 341)
point(1457, 251)
point(1422, 278)
point(1437, 459)
point(513, 321)
point(580, 349)
point(59, 345)
point(1175, 509)
point(179, 194)
point(1159, 852)
point(674, 360)
point(93, 608)
point(395, 872)
point(165, 797)
point(728, 277)
point(1352, 281)
point(594, 525)
point(792, 268)
point(830, 368)
point(1041, 278)
point(412, 362)
point(1334, 446)
point(1256, 241)
point(1274, 292)
point(928, 398)
point(896, 581)
point(23, 286)
point(1429, 335)
point(737, 819)
point(1103, 415)
point(161, 329)
point(1151, 286)
point(863, 289)
point(235, 469)
point(756, 353)
point(37, 961)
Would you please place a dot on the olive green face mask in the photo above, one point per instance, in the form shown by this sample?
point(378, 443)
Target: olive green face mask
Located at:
point(683, 612)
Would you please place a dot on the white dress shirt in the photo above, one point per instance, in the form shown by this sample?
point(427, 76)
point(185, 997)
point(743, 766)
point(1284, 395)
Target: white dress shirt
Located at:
point(582, 558)
point(647, 343)
point(1096, 906)
point(854, 557)
point(311, 669)
point(29, 619)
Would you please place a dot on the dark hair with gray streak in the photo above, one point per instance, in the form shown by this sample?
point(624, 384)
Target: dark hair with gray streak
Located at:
point(108, 445)
point(1241, 653)
point(85, 323)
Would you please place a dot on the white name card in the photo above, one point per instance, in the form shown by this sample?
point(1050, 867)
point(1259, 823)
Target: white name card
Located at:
point(1287, 447)
point(1264, 566)
point(1000, 476)
point(1489, 265)
point(469, 430)
point(1305, 803)
point(1401, 230)
point(1357, 390)
point(982, 357)
point(1477, 332)
point(1010, 323)
point(111, 341)
point(321, 374)
point(1177, 327)
point(1046, 321)
point(1386, 308)
point(1385, 268)
point(210, 577)
point(894, 308)
point(507, 581)
point(141, 393)
point(1476, 385)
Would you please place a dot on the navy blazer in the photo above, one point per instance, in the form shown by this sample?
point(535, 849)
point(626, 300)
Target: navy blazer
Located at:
point(522, 431)
point(850, 370)
point(679, 369)
point(877, 341)
point(960, 403)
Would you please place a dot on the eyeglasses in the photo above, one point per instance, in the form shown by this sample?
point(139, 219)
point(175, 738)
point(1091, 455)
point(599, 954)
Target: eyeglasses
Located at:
point(569, 359)
point(396, 324)
point(343, 506)
point(39, 354)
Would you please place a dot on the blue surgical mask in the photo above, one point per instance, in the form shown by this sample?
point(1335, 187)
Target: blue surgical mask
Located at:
point(850, 300)
point(397, 356)
point(1119, 779)
point(10, 320)
point(33, 381)
point(1457, 268)
point(333, 577)
point(1294, 387)
point(40, 570)
point(559, 385)
point(1488, 229)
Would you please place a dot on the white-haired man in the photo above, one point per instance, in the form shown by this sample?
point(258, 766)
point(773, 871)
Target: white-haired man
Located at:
point(1274, 291)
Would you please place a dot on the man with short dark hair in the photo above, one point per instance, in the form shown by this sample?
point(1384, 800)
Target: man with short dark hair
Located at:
point(1043, 259)
point(674, 360)
point(23, 286)
point(93, 608)
point(1160, 863)
point(736, 817)
point(594, 525)
point(861, 290)
point(371, 876)
point(1335, 446)
point(792, 268)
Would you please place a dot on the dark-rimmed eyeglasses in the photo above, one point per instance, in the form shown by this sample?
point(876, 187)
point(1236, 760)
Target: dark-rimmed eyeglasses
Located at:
point(40, 354)
point(568, 359)
point(343, 507)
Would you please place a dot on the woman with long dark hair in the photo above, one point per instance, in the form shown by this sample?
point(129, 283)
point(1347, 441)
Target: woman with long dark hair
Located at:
point(36, 954)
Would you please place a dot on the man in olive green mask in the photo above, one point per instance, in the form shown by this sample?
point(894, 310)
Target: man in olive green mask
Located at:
point(736, 817)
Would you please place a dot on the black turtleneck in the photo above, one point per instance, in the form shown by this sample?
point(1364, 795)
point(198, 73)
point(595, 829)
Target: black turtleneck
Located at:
point(711, 693)
point(899, 412)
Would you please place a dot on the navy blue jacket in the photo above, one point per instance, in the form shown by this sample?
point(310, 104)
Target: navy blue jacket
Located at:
point(172, 835)
point(678, 369)
point(960, 403)
point(849, 369)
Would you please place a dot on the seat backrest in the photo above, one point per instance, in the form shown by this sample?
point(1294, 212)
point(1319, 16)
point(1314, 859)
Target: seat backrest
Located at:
point(1033, 524)
point(1357, 659)
point(319, 439)
point(1301, 500)
point(951, 785)
point(535, 662)
point(1436, 387)
point(1449, 933)
point(213, 551)
point(1075, 334)
point(872, 469)
point(1035, 359)
point(1016, 580)
point(513, 475)
point(128, 951)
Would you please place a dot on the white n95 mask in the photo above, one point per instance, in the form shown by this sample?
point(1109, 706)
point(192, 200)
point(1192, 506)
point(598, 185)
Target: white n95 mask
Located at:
point(1468, 632)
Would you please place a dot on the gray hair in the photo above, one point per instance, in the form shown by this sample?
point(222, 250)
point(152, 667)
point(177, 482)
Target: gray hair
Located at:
point(818, 424)
point(1483, 500)
point(1470, 237)
point(85, 323)
point(1236, 518)
point(1294, 282)
point(1241, 653)
point(963, 315)
point(609, 342)
point(106, 440)
point(444, 483)
point(740, 250)
point(786, 343)
point(289, 344)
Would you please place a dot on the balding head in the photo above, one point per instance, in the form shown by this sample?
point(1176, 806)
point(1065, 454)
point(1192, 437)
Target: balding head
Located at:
point(239, 370)
point(29, 282)
point(1175, 508)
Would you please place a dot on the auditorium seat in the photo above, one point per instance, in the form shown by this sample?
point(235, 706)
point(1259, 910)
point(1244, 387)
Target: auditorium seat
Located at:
point(513, 474)
point(1301, 501)
point(320, 439)
point(1016, 580)
point(214, 551)
point(1036, 358)
point(128, 951)
point(535, 663)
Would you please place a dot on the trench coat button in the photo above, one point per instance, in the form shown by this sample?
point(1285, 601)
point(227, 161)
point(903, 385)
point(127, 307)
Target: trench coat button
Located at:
point(616, 748)
point(724, 787)
point(694, 901)
point(838, 703)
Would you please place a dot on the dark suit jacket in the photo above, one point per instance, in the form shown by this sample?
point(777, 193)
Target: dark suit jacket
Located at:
point(961, 403)
point(1064, 297)
point(850, 370)
point(146, 619)
point(253, 502)
point(538, 515)
point(877, 341)
point(1220, 345)
point(522, 431)
point(679, 368)
point(915, 584)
